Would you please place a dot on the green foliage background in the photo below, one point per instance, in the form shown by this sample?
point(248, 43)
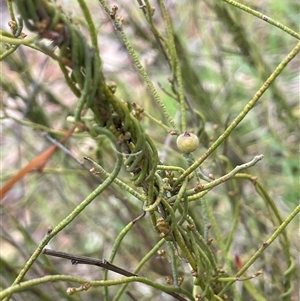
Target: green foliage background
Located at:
point(225, 55)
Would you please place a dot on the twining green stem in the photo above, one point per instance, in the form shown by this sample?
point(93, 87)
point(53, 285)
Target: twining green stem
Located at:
point(6, 34)
point(177, 236)
point(263, 17)
point(203, 261)
point(120, 183)
point(138, 64)
point(203, 244)
point(257, 254)
point(175, 64)
point(152, 206)
point(94, 40)
point(66, 221)
point(183, 209)
point(167, 168)
point(68, 80)
point(196, 197)
point(199, 280)
point(91, 26)
point(249, 106)
point(153, 160)
point(173, 262)
point(185, 250)
point(180, 194)
point(85, 92)
point(217, 298)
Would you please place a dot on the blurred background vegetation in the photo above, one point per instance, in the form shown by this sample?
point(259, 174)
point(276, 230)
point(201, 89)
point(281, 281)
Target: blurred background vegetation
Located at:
point(225, 56)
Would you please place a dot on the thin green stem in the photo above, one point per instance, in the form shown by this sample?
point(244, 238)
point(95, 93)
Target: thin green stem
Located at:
point(11, 10)
point(284, 240)
point(66, 221)
point(115, 249)
point(85, 93)
point(202, 260)
point(193, 195)
point(175, 64)
point(138, 64)
point(15, 41)
point(91, 25)
point(140, 265)
point(152, 206)
point(249, 106)
point(158, 122)
point(173, 263)
point(257, 254)
point(94, 40)
point(202, 243)
point(263, 17)
point(229, 175)
point(177, 236)
point(67, 278)
point(17, 33)
point(68, 80)
point(200, 175)
point(120, 183)
point(180, 194)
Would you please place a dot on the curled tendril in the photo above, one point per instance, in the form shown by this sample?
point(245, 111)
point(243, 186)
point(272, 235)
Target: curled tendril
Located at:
point(87, 82)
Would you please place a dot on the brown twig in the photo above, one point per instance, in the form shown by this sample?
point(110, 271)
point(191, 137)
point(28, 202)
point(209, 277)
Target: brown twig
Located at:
point(103, 263)
point(79, 259)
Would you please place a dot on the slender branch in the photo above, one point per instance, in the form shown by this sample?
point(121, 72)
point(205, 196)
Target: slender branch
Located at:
point(229, 175)
point(103, 263)
point(11, 11)
point(66, 221)
point(249, 106)
point(55, 278)
point(175, 65)
point(15, 41)
point(140, 265)
point(17, 32)
point(265, 244)
point(263, 17)
point(138, 64)
point(102, 171)
point(191, 193)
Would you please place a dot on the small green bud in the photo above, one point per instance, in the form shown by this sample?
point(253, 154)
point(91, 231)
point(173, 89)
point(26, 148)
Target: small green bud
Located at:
point(187, 142)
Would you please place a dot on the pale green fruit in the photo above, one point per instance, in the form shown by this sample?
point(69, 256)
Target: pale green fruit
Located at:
point(187, 142)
